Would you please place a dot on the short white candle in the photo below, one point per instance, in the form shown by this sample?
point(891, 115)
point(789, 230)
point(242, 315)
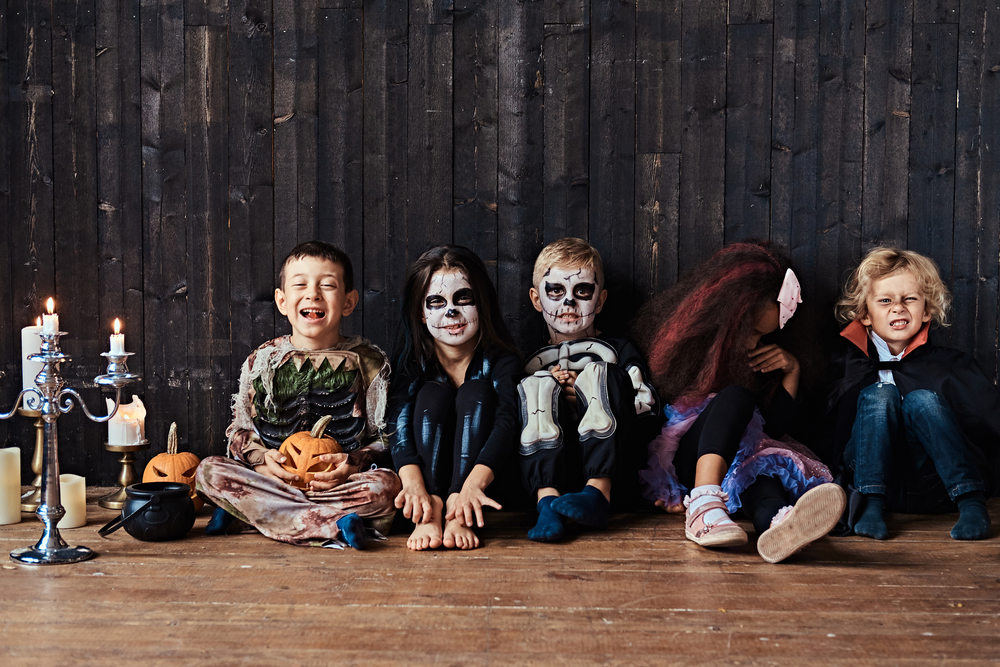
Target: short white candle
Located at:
point(73, 495)
point(31, 344)
point(117, 339)
point(50, 321)
point(128, 426)
point(10, 485)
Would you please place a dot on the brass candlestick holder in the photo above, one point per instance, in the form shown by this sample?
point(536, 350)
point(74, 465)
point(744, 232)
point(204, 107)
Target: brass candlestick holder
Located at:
point(56, 399)
point(126, 477)
point(32, 499)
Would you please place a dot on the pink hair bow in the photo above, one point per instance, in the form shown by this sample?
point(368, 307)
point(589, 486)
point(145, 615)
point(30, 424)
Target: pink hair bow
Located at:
point(789, 298)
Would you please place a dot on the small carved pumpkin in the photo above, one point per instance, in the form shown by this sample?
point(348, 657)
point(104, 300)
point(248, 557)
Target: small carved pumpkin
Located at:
point(303, 449)
point(174, 466)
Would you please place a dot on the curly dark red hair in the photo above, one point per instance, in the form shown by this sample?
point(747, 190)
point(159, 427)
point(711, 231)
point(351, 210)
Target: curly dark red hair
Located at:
point(695, 334)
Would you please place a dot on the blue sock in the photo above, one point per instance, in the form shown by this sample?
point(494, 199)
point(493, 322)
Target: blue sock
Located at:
point(588, 508)
point(549, 527)
point(352, 529)
point(973, 519)
point(220, 522)
point(872, 521)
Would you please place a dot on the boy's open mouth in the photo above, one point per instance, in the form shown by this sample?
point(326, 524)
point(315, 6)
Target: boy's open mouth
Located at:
point(899, 324)
point(569, 317)
point(312, 314)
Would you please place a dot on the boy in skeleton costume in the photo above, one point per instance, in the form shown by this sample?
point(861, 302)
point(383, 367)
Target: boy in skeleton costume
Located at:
point(286, 385)
point(586, 409)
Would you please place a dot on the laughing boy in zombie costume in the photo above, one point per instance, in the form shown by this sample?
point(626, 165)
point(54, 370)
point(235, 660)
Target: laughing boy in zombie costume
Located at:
point(587, 411)
point(286, 385)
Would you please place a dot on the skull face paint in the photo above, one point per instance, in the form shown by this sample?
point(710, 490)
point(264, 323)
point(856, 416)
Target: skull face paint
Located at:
point(569, 299)
point(450, 308)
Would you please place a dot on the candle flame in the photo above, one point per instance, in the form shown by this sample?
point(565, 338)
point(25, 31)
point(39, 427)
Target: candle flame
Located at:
point(118, 326)
point(51, 305)
point(38, 321)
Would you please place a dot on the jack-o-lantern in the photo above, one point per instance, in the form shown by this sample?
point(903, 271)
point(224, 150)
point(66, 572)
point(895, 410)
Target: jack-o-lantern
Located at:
point(303, 449)
point(174, 466)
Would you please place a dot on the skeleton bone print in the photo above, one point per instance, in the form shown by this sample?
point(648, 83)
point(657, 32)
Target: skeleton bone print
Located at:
point(450, 310)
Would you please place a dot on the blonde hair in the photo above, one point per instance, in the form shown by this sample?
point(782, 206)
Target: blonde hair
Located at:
point(570, 253)
point(882, 262)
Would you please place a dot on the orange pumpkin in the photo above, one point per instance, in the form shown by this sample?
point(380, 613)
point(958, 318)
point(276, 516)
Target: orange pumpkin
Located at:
point(303, 449)
point(174, 466)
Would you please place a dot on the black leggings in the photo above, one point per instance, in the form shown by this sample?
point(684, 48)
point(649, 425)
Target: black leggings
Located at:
point(718, 430)
point(450, 427)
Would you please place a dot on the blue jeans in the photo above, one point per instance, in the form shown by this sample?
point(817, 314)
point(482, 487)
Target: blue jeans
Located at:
point(934, 445)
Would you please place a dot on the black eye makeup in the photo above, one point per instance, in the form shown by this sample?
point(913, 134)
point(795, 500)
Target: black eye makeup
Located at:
point(584, 291)
point(464, 297)
point(435, 301)
point(554, 291)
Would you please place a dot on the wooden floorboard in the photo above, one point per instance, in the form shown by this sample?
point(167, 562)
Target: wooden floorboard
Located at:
point(636, 594)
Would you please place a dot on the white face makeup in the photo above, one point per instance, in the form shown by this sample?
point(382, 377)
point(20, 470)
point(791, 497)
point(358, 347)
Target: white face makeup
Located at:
point(569, 298)
point(450, 308)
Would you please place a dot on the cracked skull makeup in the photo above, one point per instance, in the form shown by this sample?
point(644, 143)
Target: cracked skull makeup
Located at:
point(450, 308)
point(569, 298)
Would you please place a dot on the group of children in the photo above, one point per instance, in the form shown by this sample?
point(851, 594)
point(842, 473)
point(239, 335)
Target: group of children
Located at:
point(463, 421)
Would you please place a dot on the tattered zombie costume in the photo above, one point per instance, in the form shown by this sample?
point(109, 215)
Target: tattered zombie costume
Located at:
point(284, 390)
point(603, 435)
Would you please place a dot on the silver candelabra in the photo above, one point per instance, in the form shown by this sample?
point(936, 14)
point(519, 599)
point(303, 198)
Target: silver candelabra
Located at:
point(56, 399)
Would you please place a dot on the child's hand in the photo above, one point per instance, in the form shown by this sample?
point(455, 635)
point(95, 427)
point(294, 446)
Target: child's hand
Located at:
point(469, 502)
point(414, 499)
point(566, 380)
point(342, 469)
point(767, 358)
point(271, 467)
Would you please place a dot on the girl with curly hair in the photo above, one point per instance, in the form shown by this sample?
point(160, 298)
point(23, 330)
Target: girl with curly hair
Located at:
point(730, 395)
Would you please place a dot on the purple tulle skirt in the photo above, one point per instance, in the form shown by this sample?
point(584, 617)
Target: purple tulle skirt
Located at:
point(789, 461)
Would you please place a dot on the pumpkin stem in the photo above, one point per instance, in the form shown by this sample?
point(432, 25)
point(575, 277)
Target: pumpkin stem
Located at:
point(317, 430)
point(172, 439)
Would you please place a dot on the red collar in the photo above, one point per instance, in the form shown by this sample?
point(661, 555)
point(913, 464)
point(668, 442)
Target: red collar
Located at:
point(857, 333)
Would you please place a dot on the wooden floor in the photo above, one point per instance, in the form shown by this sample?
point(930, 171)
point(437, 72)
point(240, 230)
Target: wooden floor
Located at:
point(637, 594)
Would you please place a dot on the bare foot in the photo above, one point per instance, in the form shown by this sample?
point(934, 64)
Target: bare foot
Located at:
point(458, 535)
point(672, 509)
point(428, 535)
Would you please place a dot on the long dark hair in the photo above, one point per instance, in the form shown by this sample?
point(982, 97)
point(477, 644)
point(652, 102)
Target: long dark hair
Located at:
point(415, 347)
point(695, 334)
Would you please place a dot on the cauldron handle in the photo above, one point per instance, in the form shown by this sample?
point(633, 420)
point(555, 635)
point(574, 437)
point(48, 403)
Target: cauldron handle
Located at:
point(119, 521)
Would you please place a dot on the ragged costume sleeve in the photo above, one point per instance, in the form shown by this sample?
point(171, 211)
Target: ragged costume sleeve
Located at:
point(504, 371)
point(629, 358)
point(243, 442)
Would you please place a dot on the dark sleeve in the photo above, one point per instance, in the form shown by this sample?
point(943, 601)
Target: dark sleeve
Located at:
point(373, 454)
point(778, 413)
point(975, 401)
point(505, 374)
point(402, 400)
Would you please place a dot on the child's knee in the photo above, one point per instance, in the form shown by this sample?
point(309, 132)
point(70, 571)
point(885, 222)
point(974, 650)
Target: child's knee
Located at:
point(879, 395)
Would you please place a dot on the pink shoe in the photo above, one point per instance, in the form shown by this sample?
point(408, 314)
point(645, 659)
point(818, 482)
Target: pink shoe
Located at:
point(793, 528)
point(722, 532)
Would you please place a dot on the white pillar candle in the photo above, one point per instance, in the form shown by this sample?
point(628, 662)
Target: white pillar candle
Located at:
point(73, 495)
point(117, 339)
point(128, 426)
point(10, 485)
point(30, 344)
point(50, 321)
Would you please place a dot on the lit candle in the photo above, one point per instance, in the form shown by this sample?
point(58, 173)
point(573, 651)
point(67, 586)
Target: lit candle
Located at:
point(10, 485)
point(128, 426)
point(73, 495)
point(50, 322)
point(117, 339)
point(30, 344)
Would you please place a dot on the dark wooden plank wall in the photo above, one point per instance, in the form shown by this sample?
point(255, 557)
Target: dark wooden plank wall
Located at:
point(160, 158)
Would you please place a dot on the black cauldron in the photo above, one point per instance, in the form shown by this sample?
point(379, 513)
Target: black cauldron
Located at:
point(155, 512)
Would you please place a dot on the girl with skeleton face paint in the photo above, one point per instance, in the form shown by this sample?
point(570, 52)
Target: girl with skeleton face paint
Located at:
point(450, 310)
point(453, 405)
